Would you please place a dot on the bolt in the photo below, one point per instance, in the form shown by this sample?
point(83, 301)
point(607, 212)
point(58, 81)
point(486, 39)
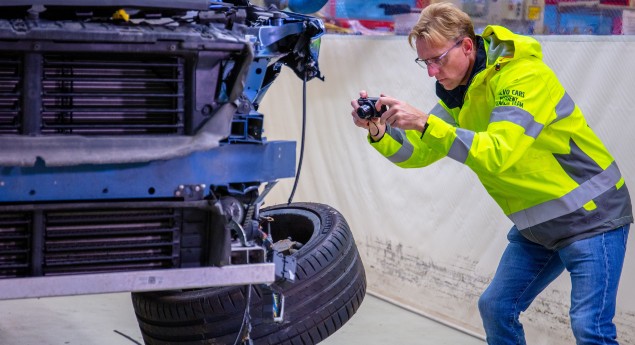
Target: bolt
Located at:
point(207, 109)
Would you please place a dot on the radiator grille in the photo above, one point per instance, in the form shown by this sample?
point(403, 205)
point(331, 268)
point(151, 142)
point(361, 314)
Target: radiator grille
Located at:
point(9, 94)
point(15, 244)
point(113, 95)
point(110, 240)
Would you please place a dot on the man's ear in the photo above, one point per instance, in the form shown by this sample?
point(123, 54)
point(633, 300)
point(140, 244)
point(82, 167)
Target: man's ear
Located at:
point(469, 46)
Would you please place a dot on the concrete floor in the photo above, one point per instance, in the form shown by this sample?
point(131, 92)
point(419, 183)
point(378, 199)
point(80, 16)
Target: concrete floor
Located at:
point(108, 319)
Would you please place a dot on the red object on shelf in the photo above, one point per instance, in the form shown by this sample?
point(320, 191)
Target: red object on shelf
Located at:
point(422, 3)
point(331, 8)
point(615, 2)
point(378, 24)
point(369, 24)
point(603, 2)
point(617, 26)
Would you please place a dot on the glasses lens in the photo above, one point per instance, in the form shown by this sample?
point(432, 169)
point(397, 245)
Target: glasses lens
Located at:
point(429, 63)
point(438, 61)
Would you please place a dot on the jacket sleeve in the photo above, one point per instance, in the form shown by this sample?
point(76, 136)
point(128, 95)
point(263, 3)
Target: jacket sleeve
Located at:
point(522, 106)
point(406, 148)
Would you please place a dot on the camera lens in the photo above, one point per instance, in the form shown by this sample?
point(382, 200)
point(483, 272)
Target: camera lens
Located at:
point(364, 111)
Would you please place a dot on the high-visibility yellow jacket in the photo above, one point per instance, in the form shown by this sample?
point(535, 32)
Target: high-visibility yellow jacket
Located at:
point(530, 145)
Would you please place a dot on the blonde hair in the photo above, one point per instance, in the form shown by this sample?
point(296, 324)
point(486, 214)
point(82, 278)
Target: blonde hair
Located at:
point(441, 22)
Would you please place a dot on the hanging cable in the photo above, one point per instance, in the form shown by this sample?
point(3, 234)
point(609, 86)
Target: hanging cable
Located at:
point(297, 175)
point(245, 327)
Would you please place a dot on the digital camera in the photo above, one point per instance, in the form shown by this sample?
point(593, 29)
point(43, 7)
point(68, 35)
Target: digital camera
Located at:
point(367, 108)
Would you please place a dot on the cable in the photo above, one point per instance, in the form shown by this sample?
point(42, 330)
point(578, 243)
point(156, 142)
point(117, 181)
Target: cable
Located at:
point(127, 337)
point(297, 175)
point(246, 319)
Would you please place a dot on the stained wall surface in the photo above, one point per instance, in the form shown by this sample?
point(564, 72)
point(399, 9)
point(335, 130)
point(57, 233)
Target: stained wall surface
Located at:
point(431, 238)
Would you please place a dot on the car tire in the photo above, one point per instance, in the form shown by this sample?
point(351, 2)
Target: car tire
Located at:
point(329, 287)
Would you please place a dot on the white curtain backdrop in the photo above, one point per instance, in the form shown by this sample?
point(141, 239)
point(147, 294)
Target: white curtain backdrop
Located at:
point(431, 238)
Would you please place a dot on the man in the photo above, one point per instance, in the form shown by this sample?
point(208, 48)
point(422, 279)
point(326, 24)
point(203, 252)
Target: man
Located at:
point(503, 113)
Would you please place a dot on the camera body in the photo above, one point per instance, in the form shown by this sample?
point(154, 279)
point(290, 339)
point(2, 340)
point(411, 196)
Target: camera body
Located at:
point(367, 108)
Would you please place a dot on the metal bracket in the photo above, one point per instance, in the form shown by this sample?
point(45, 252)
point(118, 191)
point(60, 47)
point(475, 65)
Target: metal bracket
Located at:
point(272, 305)
point(190, 192)
point(285, 266)
point(242, 236)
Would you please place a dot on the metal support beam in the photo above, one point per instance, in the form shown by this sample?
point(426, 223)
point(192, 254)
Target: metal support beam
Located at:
point(227, 164)
point(136, 281)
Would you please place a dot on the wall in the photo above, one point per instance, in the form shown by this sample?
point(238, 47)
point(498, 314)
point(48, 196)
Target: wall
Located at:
point(431, 238)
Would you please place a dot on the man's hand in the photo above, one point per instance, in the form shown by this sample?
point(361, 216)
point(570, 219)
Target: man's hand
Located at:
point(401, 115)
point(376, 128)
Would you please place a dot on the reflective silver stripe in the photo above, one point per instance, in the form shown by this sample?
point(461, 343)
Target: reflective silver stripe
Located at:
point(406, 149)
point(440, 112)
point(577, 164)
point(461, 145)
point(564, 108)
point(570, 202)
point(518, 116)
point(396, 133)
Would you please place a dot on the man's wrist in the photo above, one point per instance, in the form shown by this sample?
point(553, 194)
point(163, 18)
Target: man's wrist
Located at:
point(374, 138)
point(377, 136)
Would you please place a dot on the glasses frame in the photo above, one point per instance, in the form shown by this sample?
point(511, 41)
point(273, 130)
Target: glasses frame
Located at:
point(437, 61)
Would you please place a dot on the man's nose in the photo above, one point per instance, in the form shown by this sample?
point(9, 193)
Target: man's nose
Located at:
point(433, 70)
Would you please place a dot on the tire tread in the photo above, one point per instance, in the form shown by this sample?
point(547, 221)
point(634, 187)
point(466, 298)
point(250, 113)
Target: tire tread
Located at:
point(329, 288)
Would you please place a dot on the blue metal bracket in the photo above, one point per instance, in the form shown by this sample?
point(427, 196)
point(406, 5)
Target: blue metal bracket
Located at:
point(237, 163)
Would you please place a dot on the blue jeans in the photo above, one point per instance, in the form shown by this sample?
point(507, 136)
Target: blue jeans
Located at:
point(526, 268)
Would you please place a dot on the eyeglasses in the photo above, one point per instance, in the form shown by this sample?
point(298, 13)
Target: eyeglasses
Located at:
point(436, 61)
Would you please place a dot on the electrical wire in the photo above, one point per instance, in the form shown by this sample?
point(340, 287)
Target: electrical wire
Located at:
point(297, 175)
point(127, 337)
point(246, 319)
